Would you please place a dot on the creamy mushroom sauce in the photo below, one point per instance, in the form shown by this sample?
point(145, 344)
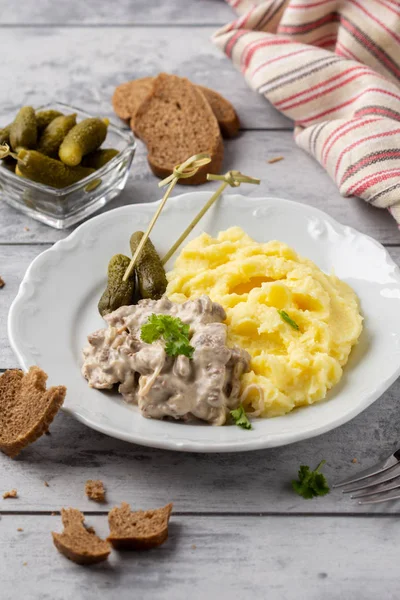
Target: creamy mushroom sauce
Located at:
point(206, 387)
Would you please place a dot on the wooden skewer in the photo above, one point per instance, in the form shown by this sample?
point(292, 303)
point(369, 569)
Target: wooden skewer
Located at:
point(183, 171)
point(232, 178)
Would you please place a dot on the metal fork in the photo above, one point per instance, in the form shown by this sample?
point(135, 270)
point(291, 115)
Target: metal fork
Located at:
point(379, 483)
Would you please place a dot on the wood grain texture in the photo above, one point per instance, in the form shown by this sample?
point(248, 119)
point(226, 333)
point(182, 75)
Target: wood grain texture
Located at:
point(252, 483)
point(124, 12)
point(297, 177)
point(82, 66)
point(227, 558)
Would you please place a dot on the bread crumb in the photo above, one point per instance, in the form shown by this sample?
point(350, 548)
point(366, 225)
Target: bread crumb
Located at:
point(354, 460)
point(194, 546)
point(24, 564)
point(19, 529)
point(53, 514)
point(271, 161)
point(26, 229)
point(46, 484)
point(94, 489)
point(10, 494)
point(2, 282)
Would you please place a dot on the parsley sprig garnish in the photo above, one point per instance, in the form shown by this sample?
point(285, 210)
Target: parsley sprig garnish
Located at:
point(240, 418)
point(311, 483)
point(283, 314)
point(174, 332)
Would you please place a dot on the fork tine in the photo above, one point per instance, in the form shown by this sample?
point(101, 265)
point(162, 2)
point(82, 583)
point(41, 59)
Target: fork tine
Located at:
point(375, 470)
point(378, 489)
point(375, 480)
point(384, 497)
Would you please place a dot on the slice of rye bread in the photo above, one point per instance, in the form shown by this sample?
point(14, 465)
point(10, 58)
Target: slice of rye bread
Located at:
point(129, 96)
point(139, 530)
point(223, 110)
point(77, 543)
point(26, 408)
point(175, 121)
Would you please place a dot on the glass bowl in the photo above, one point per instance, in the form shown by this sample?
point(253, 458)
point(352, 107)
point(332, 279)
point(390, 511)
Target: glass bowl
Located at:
point(61, 208)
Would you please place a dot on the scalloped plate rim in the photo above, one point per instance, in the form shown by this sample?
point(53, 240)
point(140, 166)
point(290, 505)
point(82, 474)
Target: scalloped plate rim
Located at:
point(256, 442)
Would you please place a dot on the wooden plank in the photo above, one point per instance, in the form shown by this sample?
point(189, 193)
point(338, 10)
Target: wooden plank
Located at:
point(235, 558)
point(86, 64)
point(254, 482)
point(298, 177)
point(124, 12)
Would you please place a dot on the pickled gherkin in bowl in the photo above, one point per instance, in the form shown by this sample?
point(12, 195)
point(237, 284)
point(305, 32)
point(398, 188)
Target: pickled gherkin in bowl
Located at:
point(34, 179)
point(48, 146)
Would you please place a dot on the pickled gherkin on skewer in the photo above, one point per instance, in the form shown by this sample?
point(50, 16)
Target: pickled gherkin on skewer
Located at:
point(99, 158)
point(85, 137)
point(23, 131)
point(45, 117)
point(53, 135)
point(150, 272)
point(148, 265)
point(43, 169)
point(117, 293)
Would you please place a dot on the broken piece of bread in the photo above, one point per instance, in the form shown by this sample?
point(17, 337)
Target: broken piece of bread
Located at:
point(140, 530)
point(77, 543)
point(26, 408)
point(2, 282)
point(94, 489)
point(10, 494)
point(175, 121)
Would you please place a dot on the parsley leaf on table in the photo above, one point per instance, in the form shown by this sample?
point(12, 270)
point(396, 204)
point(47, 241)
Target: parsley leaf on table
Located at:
point(240, 418)
point(174, 332)
point(311, 483)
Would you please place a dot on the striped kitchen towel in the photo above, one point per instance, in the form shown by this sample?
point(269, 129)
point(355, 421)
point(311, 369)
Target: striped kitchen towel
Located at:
point(333, 66)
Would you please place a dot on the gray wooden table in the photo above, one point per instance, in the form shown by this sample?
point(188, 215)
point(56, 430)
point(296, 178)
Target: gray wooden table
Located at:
point(238, 531)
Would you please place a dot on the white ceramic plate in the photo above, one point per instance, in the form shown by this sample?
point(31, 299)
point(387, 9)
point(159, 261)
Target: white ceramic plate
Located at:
point(56, 308)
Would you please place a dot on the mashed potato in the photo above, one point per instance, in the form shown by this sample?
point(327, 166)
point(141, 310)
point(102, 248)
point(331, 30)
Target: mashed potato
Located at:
point(252, 281)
